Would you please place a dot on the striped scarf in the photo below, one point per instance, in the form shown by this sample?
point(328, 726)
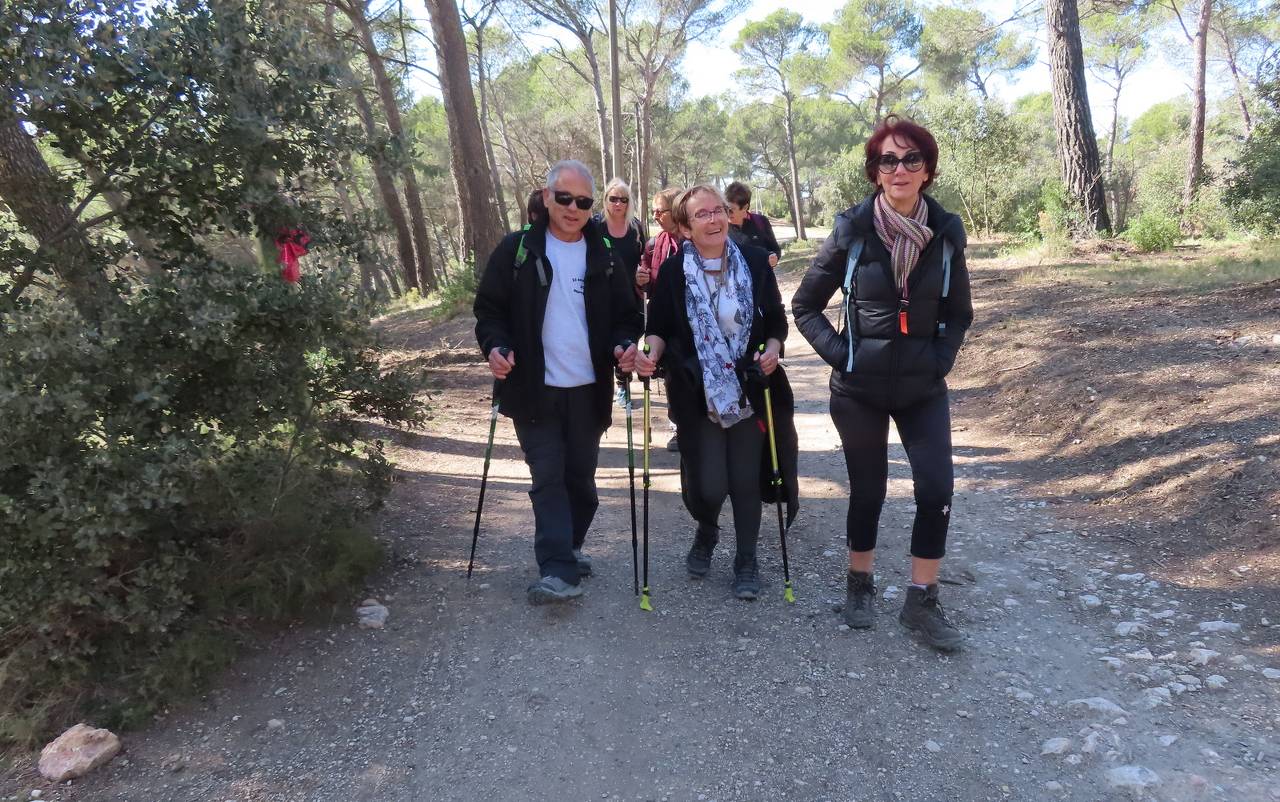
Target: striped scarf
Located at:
point(905, 237)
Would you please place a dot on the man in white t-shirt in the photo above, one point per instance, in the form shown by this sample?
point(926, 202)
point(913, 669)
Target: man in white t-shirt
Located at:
point(554, 312)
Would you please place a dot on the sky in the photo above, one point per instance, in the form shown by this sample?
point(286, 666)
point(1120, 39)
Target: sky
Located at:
point(709, 67)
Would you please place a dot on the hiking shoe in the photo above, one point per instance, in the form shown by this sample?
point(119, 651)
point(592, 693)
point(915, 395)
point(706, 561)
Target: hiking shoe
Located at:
point(672, 445)
point(860, 605)
point(551, 590)
point(584, 562)
point(746, 579)
point(699, 560)
point(922, 613)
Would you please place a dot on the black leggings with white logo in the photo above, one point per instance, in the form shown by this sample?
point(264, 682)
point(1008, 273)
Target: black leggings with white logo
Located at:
point(926, 435)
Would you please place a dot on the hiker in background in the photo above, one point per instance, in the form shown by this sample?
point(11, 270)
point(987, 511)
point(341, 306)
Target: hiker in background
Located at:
point(657, 250)
point(714, 305)
point(554, 310)
point(663, 244)
point(621, 226)
point(899, 257)
point(748, 227)
point(535, 208)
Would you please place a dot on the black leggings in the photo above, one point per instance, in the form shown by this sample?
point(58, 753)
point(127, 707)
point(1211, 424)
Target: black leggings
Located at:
point(726, 463)
point(926, 435)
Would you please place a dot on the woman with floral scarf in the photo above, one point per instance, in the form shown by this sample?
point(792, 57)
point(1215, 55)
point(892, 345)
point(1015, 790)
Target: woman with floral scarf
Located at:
point(713, 306)
point(898, 259)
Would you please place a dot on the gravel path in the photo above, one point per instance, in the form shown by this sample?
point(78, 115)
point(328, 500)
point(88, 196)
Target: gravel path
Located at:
point(1084, 679)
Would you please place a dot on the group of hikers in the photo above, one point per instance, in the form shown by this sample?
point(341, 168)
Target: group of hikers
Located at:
point(575, 301)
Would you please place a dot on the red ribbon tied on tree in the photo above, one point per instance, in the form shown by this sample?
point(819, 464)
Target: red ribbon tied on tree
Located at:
point(291, 244)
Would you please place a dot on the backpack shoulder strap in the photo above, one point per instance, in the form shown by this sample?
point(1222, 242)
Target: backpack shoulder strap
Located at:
point(522, 256)
point(948, 251)
point(850, 288)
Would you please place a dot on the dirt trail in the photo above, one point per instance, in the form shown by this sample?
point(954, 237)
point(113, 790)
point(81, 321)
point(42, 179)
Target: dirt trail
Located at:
point(471, 694)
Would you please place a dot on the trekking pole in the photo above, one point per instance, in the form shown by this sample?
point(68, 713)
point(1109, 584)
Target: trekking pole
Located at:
point(624, 381)
point(788, 594)
point(644, 596)
point(484, 476)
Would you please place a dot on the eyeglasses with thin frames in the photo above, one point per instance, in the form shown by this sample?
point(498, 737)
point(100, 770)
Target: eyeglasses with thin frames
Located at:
point(709, 214)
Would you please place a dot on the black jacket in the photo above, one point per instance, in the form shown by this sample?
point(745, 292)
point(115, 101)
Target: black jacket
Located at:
point(756, 230)
point(685, 394)
point(891, 370)
point(511, 302)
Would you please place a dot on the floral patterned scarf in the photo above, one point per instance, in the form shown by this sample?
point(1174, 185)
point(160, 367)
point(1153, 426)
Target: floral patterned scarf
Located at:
point(719, 347)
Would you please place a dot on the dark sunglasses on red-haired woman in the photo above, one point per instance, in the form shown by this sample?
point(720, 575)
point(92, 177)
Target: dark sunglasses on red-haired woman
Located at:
point(888, 163)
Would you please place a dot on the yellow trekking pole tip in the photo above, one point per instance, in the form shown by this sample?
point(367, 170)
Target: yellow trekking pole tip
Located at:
point(789, 595)
point(644, 601)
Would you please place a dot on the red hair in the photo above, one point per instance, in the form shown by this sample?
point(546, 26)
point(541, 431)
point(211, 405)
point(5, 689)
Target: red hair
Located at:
point(906, 131)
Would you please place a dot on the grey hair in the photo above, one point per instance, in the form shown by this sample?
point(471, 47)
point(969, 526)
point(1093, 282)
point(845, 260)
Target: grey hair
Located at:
point(553, 175)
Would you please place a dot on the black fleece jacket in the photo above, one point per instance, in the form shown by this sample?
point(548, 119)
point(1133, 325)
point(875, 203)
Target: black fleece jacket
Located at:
point(511, 303)
point(890, 370)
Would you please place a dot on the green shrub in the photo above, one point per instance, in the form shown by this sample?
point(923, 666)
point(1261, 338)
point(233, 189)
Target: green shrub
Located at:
point(1153, 231)
point(197, 459)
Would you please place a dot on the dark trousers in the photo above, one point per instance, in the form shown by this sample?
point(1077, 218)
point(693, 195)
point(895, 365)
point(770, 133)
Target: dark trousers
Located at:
point(561, 449)
point(926, 435)
point(724, 463)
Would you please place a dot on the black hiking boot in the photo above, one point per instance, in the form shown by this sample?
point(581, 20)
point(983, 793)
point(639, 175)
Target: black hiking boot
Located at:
point(860, 605)
point(699, 560)
point(746, 579)
point(922, 613)
point(584, 562)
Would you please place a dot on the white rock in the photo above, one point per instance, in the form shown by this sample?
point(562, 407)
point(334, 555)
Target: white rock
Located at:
point(1271, 673)
point(1152, 698)
point(1012, 603)
point(1201, 657)
point(1098, 705)
point(1126, 628)
point(1089, 600)
point(1114, 663)
point(1219, 626)
point(1130, 577)
point(1162, 615)
point(1055, 746)
point(1090, 744)
point(1215, 681)
point(1132, 778)
point(372, 616)
point(1053, 785)
point(1141, 654)
point(828, 553)
point(933, 746)
point(77, 752)
point(1167, 740)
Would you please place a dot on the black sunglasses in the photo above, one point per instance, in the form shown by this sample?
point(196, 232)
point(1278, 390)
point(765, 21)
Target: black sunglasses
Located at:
point(888, 163)
point(619, 199)
point(581, 201)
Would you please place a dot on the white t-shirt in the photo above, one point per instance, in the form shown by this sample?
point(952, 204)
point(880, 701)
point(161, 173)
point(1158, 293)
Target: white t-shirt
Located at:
point(724, 305)
point(564, 328)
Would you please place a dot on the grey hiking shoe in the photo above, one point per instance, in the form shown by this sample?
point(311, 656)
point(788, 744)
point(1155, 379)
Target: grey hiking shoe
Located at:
point(673, 445)
point(922, 613)
point(699, 560)
point(860, 605)
point(552, 589)
point(584, 562)
point(746, 579)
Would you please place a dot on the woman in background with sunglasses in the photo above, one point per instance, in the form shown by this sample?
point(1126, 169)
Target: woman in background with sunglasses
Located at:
point(621, 226)
point(904, 320)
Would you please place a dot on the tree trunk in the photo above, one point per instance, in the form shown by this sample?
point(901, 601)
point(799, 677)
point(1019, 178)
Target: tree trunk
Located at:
point(29, 188)
point(643, 120)
point(1229, 48)
point(1195, 159)
point(615, 92)
point(482, 82)
point(1077, 143)
point(367, 267)
point(391, 109)
point(142, 242)
point(602, 121)
point(797, 212)
point(481, 228)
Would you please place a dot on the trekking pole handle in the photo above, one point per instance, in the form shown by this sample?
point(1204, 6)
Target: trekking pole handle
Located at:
point(497, 383)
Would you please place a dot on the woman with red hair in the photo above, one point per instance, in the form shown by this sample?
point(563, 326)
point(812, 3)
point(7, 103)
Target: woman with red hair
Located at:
point(898, 257)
